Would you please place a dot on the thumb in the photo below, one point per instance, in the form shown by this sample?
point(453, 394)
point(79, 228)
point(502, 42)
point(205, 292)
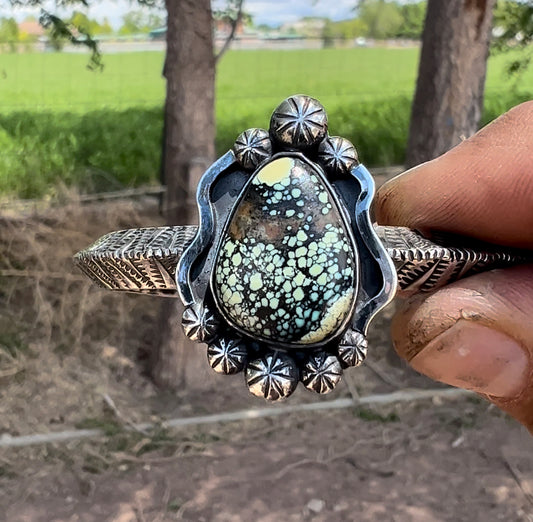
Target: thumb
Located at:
point(476, 334)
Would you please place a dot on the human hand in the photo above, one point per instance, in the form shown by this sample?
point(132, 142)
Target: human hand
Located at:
point(476, 333)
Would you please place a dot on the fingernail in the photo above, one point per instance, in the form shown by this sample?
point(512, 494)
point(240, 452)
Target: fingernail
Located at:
point(472, 356)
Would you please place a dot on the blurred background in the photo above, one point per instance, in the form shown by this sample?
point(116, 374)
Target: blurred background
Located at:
point(109, 112)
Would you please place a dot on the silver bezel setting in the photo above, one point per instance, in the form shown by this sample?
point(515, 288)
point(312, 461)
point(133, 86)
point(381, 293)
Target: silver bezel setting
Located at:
point(219, 235)
point(298, 128)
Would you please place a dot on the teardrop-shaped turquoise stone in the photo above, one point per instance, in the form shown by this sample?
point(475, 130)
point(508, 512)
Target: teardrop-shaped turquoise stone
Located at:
point(286, 270)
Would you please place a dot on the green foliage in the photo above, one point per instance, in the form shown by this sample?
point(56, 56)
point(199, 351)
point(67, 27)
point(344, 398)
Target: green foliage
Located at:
point(99, 150)
point(173, 505)
point(104, 28)
point(137, 22)
point(109, 427)
point(513, 23)
point(12, 343)
point(380, 19)
point(90, 26)
point(9, 32)
point(346, 29)
point(413, 15)
point(61, 124)
point(231, 11)
point(60, 31)
point(373, 416)
point(513, 29)
point(383, 18)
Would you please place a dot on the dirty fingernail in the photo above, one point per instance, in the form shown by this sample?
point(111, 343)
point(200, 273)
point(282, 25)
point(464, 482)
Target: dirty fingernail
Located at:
point(475, 357)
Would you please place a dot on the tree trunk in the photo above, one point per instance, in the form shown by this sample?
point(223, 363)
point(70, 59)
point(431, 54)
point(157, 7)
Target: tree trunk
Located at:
point(451, 77)
point(188, 151)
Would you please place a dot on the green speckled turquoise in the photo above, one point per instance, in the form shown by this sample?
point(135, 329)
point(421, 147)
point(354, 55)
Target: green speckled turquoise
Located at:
point(286, 270)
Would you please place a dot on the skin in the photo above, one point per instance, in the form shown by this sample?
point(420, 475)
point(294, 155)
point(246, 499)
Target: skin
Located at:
point(478, 332)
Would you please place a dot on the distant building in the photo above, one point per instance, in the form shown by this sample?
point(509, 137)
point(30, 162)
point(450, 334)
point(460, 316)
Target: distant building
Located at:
point(158, 34)
point(222, 29)
point(31, 28)
point(309, 27)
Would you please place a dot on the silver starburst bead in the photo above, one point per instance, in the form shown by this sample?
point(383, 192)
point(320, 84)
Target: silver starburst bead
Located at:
point(273, 376)
point(299, 122)
point(252, 147)
point(321, 373)
point(337, 155)
point(199, 324)
point(352, 348)
point(227, 355)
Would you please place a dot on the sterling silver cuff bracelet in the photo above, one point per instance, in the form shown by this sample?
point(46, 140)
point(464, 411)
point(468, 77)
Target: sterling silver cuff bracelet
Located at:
point(286, 270)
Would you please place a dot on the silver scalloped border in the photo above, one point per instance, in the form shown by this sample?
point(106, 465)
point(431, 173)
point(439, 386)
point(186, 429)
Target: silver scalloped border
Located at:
point(206, 229)
point(364, 315)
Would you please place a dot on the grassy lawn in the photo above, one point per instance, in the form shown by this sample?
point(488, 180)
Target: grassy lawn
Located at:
point(60, 122)
point(59, 82)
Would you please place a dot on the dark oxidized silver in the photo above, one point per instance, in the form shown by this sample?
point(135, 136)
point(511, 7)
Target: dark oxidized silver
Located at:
point(200, 323)
point(352, 348)
point(226, 355)
point(179, 261)
point(322, 372)
point(337, 155)
point(299, 122)
point(252, 147)
point(273, 376)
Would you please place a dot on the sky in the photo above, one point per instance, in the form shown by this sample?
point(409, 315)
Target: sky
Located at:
point(273, 12)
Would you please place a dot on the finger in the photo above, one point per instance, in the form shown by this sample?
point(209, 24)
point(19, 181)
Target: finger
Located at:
point(475, 334)
point(482, 188)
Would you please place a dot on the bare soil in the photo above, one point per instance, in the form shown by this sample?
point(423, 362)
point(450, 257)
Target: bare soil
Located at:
point(67, 346)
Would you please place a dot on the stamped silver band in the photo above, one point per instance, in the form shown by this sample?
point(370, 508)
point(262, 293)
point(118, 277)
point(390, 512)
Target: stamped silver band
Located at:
point(144, 260)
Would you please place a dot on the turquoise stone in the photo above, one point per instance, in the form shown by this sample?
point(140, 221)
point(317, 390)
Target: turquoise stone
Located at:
point(286, 269)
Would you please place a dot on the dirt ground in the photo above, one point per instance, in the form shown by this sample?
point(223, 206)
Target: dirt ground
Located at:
point(67, 347)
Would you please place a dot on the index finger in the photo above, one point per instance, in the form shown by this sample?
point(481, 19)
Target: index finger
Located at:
point(483, 188)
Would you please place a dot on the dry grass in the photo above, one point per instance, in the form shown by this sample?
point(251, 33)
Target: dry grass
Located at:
point(71, 355)
point(62, 340)
point(66, 345)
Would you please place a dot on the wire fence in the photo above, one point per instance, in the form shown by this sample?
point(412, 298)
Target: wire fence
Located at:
point(63, 124)
point(132, 74)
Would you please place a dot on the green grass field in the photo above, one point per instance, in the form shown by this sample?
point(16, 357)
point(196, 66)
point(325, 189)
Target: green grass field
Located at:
point(61, 123)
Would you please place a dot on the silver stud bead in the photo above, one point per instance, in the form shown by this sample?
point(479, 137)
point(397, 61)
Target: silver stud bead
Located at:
point(252, 147)
point(299, 122)
point(227, 356)
point(199, 324)
point(321, 373)
point(273, 376)
point(352, 348)
point(337, 155)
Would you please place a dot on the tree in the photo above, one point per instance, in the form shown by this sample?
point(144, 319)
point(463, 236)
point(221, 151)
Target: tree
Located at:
point(382, 17)
point(9, 32)
point(413, 15)
point(188, 150)
point(513, 22)
point(136, 22)
point(84, 23)
point(233, 15)
point(451, 77)
point(513, 29)
point(131, 23)
point(60, 31)
point(105, 28)
point(344, 30)
point(189, 138)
